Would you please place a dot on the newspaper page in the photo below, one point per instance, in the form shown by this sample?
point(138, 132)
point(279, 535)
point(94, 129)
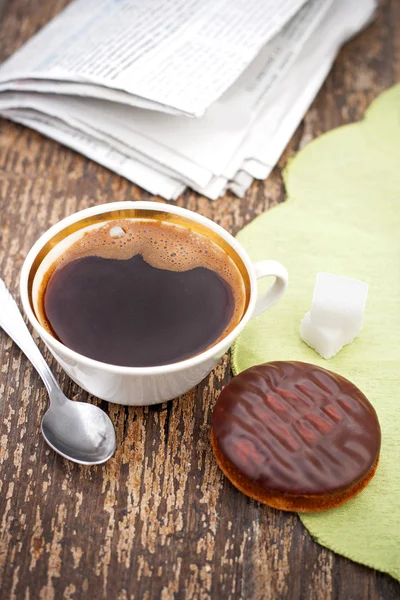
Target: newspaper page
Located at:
point(85, 90)
point(154, 182)
point(197, 149)
point(281, 109)
point(276, 125)
point(178, 53)
point(201, 148)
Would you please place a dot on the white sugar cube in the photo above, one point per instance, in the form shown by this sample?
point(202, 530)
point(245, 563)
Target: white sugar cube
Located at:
point(327, 342)
point(336, 314)
point(339, 302)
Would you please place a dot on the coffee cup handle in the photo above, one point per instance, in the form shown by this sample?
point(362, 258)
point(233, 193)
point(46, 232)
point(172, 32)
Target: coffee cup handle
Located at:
point(270, 268)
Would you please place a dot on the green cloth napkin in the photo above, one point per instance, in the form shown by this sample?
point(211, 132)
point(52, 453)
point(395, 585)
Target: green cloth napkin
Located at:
point(343, 216)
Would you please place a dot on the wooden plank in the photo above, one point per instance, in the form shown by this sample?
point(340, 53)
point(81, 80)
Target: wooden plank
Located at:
point(159, 520)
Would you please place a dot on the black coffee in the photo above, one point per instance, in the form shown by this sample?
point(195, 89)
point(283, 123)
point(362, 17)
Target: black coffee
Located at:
point(158, 294)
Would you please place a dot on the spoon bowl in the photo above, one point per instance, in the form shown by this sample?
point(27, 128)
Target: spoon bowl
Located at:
point(81, 432)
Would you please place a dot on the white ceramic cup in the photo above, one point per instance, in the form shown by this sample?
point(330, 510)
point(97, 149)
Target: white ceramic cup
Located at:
point(140, 386)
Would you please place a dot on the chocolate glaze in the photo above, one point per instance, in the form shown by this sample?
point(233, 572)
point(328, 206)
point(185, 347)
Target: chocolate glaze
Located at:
point(296, 428)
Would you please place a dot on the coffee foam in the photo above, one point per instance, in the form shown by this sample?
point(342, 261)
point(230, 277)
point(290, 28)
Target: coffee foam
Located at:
point(162, 245)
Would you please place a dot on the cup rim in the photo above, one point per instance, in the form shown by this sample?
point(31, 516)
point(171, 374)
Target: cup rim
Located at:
point(52, 342)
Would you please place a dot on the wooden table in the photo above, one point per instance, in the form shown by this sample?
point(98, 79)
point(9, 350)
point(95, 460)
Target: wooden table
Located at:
point(159, 520)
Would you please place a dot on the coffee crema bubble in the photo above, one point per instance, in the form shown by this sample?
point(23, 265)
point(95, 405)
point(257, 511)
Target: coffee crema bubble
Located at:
point(136, 292)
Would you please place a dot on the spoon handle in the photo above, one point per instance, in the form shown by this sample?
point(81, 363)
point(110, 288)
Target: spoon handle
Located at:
point(12, 322)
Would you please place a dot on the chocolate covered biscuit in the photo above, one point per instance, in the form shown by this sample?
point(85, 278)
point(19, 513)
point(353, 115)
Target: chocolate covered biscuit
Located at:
point(296, 436)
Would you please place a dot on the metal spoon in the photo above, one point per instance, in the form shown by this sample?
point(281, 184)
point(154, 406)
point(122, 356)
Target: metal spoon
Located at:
point(78, 431)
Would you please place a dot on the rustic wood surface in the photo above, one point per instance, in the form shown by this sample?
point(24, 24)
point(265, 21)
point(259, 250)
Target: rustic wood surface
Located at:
point(159, 520)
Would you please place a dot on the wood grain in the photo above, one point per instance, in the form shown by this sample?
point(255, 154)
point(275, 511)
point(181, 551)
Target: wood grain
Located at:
point(158, 521)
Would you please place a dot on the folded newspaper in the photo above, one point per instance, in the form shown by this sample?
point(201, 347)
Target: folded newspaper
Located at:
point(177, 93)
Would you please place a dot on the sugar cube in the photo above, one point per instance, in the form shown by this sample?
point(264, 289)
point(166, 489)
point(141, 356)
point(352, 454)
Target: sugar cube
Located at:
point(327, 342)
point(336, 314)
point(339, 302)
